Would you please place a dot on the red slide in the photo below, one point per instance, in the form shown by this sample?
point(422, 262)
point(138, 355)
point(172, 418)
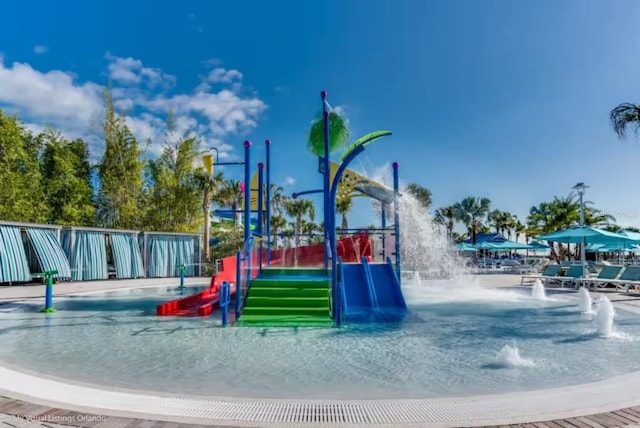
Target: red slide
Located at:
point(205, 302)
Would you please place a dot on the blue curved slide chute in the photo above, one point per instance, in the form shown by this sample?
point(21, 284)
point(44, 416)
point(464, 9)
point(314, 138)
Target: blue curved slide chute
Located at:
point(371, 292)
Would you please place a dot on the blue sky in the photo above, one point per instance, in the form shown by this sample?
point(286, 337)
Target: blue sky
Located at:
point(502, 99)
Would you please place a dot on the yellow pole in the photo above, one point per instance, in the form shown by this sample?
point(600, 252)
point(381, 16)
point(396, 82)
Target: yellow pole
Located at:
point(208, 163)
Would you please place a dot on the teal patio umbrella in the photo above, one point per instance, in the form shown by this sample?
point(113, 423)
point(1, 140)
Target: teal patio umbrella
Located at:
point(464, 247)
point(588, 234)
point(512, 245)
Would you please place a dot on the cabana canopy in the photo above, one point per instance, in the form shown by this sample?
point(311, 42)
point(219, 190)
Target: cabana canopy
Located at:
point(579, 234)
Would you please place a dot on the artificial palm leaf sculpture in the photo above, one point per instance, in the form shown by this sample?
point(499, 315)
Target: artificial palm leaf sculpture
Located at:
point(338, 134)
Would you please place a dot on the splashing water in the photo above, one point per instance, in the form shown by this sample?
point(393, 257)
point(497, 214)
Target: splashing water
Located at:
point(425, 247)
point(604, 317)
point(509, 357)
point(584, 301)
point(537, 291)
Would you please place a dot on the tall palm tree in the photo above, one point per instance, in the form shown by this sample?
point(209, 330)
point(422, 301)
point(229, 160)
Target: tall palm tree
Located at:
point(471, 211)
point(211, 186)
point(343, 206)
point(232, 196)
point(519, 229)
point(278, 223)
point(299, 210)
point(624, 116)
point(420, 193)
point(447, 217)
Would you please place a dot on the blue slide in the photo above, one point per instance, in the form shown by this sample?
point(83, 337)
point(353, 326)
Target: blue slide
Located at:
point(371, 292)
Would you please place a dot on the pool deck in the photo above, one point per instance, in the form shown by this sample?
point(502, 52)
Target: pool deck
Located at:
point(37, 401)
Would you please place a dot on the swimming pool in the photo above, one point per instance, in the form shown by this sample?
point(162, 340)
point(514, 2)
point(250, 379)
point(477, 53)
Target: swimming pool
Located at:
point(446, 347)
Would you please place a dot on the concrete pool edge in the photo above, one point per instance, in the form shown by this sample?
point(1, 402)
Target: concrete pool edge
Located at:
point(602, 396)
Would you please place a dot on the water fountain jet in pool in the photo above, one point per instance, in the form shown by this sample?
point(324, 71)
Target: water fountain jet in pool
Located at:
point(537, 291)
point(509, 357)
point(604, 317)
point(584, 301)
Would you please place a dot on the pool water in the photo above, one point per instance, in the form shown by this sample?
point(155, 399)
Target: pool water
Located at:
point(447, 346)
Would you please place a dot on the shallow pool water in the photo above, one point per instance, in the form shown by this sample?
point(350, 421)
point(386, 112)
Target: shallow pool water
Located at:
point(447, 346)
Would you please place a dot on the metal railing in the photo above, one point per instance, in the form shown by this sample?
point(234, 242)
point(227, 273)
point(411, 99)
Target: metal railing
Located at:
point(249, 263)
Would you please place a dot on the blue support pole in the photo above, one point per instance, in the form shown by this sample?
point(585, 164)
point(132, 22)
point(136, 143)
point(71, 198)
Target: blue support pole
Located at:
point(383, 225)
point(326, 179)
point(268, 196)
point(336, 295)
point(260, 212)
point(225, 297)
point(238, 283)
point(247, 190)
point(396, 216)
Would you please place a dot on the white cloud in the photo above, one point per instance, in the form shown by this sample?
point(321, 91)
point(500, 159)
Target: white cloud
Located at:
point(57, 98)
point(131, 71)
point(40, 49)
point(289, 181)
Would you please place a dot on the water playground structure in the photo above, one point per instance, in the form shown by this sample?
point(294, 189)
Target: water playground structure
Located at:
point(339, 278)
point(466, 353)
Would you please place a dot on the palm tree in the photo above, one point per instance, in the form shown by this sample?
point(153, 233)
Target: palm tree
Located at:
point(231, 196)
point(278, 223)
point(278, 199)
point(446, 216)
point(471, 211)
point(623, 116)
point(343, 206)
point(211, 186)
point(420, 193)
point(519, 229)
point(298, 210)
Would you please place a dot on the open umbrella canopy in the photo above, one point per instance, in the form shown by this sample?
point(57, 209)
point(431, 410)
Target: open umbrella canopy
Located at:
point(539, 245)
point(463, 246)
point(512, 245)
point(486, 245)
point(612, 247)
point(579, 234)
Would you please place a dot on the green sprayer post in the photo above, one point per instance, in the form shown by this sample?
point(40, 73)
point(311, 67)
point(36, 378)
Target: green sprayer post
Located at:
point(48, 305)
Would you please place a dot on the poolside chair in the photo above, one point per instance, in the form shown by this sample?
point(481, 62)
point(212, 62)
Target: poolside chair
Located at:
point(629, 278)
point(606, 275)
point(548, 272)
point(571, 275)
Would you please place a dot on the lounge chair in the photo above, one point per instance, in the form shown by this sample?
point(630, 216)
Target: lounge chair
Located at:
point(549, 271)
point(572, 274)
point(605, 277)
point(629, 278)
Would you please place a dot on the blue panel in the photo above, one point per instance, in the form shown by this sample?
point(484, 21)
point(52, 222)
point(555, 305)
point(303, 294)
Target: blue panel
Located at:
point(13, 259)
point(386, 286)
point(127, 258)
point(49, 252)
point(358, 301)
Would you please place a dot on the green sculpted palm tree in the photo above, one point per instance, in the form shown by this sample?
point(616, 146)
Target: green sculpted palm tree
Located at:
point(624, 116)
point(338, 134)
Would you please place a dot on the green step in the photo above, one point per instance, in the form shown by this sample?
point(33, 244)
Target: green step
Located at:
point(287, 292)
point(283, 311)
point(294, 272)
point(287, 302)
point(290, 283)
point(284, 321)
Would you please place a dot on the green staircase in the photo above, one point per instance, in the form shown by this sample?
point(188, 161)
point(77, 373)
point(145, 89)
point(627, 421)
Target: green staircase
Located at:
point(288, 297)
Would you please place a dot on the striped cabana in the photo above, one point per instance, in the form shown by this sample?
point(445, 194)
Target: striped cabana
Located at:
point(164, 253)
point(41, 250)
point(91, 250)
point(14, 266)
